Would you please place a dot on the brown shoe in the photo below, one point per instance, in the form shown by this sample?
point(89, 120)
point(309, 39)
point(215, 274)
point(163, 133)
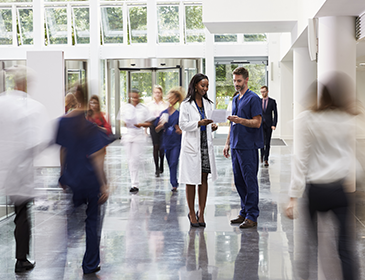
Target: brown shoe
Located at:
point(248, 224)
point(266, 163)
point(238, 220)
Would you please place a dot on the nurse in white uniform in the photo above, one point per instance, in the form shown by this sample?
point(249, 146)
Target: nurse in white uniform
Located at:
point(197, 159)
point(136, 116)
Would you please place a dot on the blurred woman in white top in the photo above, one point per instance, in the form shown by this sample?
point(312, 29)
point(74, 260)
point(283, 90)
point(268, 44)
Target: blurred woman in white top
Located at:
point(136, 116)
point(156, 106)
point(324, 162)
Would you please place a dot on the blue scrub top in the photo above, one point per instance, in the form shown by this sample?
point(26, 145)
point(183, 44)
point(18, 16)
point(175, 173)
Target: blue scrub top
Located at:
point(170, 138)
point(81, 139)
point(242, 137)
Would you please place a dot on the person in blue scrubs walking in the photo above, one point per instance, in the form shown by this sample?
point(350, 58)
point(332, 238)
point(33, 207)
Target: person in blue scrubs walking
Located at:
point(244, 139)
point(169, 121)
point(82, 156)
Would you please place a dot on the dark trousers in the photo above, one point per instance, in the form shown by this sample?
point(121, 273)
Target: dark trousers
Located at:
point(265, 151)
point(158, 151)
point(172, 156)
point(93, 223)
point(22, 230)
point(245, 165)
point(331, 197)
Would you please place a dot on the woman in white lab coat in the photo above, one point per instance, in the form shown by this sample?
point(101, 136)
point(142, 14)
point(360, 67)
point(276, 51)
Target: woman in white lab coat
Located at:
point(197, 154)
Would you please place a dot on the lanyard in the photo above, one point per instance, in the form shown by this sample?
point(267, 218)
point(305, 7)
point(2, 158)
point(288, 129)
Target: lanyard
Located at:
point(202, 115)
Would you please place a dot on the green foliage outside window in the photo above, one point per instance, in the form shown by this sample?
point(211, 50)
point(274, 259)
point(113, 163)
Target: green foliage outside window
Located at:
point(138, 24)
point(224, 81)
point(6, 16)
point(225, 38)
point(57, 25)
point(168, 79)
point(113, 23)
point(15, 1)
point(82, 25)
point(143, 82)
point(255, 37)
point(168, 24)
point(26, 24)
point(194, 22)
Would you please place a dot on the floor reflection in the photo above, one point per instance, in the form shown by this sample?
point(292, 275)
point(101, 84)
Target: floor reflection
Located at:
point(148, 236)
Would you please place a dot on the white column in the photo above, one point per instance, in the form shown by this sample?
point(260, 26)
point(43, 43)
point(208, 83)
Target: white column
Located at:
point(304, 94)
point(304, 75)
point(337, 52)
point(209, 64)
point(94, 61)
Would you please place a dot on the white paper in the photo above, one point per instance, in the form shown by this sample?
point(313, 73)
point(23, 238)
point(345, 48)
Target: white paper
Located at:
point(218, 116)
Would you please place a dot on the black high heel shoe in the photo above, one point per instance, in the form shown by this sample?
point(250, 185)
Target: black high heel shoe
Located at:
point(197, 218)
point(193, 224)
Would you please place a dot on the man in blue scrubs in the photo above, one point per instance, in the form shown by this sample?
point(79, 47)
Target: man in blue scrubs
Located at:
point(244, 139)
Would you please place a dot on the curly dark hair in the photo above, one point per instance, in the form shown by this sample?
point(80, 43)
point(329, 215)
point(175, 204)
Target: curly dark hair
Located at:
point(191, 90)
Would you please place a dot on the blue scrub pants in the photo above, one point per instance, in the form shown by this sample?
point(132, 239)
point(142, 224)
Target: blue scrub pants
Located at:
point(245, 167)
point(172, 156)
point(92, 227)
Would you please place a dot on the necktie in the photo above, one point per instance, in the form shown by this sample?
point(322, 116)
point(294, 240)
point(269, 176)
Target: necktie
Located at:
point(265, 103)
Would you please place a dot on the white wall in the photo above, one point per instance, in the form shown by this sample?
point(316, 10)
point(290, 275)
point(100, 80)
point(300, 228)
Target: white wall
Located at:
point(274, 81)
point(49, 89)
point(286, 100)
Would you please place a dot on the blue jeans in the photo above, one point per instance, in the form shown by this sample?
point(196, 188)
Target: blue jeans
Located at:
point(245, 167)
point(172, 156)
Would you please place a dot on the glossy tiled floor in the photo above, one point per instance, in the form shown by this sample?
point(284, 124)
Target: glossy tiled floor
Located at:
point(148, 236)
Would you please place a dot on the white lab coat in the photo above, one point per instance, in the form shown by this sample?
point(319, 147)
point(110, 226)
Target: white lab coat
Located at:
point(190, 170)
point(25, 132)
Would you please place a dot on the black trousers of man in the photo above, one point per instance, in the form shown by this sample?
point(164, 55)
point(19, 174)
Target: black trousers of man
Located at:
point(22, 230)
point(267, 131)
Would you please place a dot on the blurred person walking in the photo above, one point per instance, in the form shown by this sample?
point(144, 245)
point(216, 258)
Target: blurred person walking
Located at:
point(24, 133)
point(82, 155)
point(197, 151)
point(269, 121)
point(323, 164)
point(156, 106)
point(168, 122)
point(244, 139)
point(136, 116)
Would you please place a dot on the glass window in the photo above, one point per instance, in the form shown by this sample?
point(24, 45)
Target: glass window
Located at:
point(194, 27)
point(168, 79)
point(12, 1)
point(254, 37)
point(137, 17)
point(81, 25)
point(56, 20)
point(112, 24)
point(225, 38)
point(25, 21)
point(142, 80)
point(168, 24)
point(6, 27)
point(224, 82)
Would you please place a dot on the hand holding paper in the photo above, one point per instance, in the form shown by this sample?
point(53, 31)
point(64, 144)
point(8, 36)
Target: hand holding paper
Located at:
point(218, 116)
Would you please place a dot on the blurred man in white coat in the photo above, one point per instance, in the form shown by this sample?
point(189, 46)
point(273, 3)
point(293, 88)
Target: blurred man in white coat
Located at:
point(23, 124)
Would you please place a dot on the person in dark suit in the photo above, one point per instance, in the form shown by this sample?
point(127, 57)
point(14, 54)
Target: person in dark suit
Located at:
point(269, 121)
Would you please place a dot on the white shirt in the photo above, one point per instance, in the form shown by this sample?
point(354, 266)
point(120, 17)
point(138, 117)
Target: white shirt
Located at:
point(25, 131)
point(325, 154)
point(157, 108)
point(132, 115)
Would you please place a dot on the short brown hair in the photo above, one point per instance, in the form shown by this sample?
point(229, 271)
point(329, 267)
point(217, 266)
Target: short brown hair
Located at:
point(241, 71)
point(265, 87)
